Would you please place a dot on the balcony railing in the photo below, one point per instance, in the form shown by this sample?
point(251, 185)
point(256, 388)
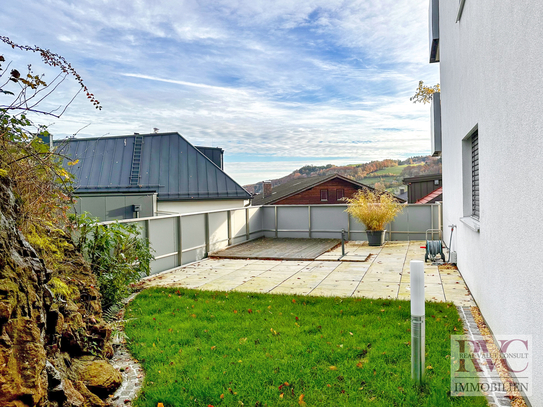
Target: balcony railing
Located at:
point(179, 239)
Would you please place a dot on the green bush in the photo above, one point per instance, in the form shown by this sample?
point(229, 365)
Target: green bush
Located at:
point(117, 253)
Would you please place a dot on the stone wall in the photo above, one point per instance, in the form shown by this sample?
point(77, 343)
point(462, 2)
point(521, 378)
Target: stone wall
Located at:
point(54, 348)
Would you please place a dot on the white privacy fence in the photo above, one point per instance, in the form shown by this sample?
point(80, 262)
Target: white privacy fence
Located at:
point(178, 239)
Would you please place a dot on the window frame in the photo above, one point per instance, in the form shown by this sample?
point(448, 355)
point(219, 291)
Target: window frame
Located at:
point(324, 195)
point(470, 180)
point(475, 205)
point(338, 191)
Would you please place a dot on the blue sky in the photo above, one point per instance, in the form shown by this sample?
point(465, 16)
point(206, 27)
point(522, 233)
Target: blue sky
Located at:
point(276, 84)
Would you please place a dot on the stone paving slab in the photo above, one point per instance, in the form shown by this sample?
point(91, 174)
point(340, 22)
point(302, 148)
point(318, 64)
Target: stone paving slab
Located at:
point(355, 251)
point(385, 274)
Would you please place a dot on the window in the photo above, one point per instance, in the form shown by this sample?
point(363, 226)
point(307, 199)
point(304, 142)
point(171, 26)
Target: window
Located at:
point(339, 194)
point(324, 195)
point(475, 175)
point(434, 30)
point(470, 179)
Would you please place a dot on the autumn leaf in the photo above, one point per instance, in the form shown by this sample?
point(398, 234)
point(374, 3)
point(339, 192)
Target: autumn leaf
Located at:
point(333, 368)
point(222, 396)
point(301, 401)
point(160, 405)
point(429, 367)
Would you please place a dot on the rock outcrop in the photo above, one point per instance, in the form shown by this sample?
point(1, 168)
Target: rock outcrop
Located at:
point(54, 345)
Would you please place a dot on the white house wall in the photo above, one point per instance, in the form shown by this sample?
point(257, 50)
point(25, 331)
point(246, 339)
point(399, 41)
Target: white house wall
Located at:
point(199, 206)
point(492, 77)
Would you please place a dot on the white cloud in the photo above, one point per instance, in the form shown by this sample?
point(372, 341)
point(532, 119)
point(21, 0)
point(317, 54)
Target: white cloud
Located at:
point(328, 80)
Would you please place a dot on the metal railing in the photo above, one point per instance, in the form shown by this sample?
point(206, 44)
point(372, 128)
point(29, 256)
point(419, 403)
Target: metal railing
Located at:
point(179, 239)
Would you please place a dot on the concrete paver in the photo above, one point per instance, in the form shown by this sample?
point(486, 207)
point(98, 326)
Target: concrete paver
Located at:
point(384, 274)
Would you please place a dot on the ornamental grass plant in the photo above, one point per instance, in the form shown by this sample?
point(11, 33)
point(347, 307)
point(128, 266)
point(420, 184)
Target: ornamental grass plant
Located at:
point(373, 208)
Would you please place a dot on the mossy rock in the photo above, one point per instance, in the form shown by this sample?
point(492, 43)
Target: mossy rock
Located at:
point(99, 376)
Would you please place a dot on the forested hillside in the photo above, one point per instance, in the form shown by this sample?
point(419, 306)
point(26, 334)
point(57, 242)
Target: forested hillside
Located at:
point(386, 174)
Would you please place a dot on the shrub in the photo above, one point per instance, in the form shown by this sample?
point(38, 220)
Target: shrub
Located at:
point(117, 253)
point(373, 208)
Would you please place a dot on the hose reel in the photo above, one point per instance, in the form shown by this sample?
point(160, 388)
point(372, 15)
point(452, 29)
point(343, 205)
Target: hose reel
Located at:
point(433, 247)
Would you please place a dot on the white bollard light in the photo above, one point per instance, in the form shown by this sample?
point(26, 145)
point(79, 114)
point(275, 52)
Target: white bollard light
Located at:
point(417, 320)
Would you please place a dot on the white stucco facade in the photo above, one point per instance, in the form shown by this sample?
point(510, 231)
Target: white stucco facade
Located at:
point(200, 205)
point(491, 65)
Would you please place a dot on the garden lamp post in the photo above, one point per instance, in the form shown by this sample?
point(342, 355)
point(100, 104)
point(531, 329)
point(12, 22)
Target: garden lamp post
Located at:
point(417, 320)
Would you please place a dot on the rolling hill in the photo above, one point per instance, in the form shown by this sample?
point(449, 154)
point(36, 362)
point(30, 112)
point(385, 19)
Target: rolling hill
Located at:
point(386, 174)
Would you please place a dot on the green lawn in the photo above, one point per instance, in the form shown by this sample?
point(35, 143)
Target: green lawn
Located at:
point(373, 180)
point(237, 349)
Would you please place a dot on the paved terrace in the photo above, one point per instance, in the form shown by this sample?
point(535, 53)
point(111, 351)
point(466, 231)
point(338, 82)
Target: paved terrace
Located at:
point(385, 274)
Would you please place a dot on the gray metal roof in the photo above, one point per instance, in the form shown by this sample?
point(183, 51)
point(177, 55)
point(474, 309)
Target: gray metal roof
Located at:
point(169, 165)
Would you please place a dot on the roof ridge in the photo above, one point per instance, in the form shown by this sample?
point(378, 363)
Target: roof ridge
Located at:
point(435, 193)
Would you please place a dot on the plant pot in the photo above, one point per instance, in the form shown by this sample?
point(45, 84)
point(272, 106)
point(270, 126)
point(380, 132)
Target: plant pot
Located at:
point(376, 237)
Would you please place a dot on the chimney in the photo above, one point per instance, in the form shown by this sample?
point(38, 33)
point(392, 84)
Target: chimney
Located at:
point(402, 190)
point(267, 188)
point(47, 139)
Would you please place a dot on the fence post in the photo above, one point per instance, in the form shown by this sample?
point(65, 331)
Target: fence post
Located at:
point(432, 218)
point(229, 226)
point(309, 219)
point(148, 230)
point(348, 226)
point(180, 240)
point(440, 218)
point(390, 231)
point(206, 221)
point(276, 222)
point(247, 226)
